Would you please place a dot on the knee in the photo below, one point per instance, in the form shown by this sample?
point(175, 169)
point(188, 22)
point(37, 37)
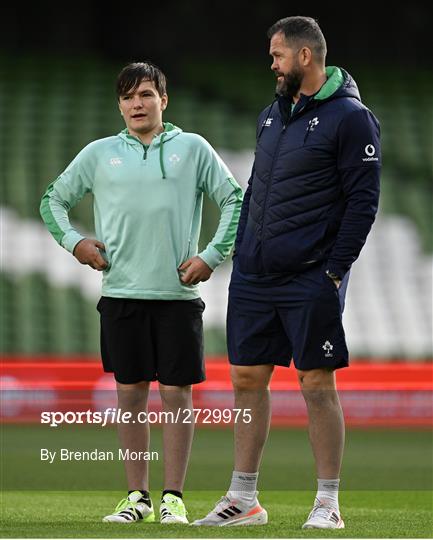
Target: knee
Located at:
point(132, 395)
point(250, 377)
point(317, 379)
point(175, 396)
point(318, 386)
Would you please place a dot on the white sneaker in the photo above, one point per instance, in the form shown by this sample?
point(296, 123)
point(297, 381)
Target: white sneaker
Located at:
point(172, 510)
point(323, 516)
point(230, 512)
point(129, 510)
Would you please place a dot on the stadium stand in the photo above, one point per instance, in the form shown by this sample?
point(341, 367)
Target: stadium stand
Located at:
point(48, 300)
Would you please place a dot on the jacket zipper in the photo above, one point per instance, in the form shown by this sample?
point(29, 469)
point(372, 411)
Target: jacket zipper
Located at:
point(268, 187)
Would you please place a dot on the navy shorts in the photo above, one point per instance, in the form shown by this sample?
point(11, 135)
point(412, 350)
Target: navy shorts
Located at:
point(297, 317)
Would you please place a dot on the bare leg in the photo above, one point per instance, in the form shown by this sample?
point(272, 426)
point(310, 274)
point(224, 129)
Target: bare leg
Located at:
point(326, 421)
point(135, 437)
point(251, 386)
point(177, 437)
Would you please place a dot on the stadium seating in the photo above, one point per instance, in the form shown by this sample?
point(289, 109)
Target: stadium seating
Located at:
point(58, 106)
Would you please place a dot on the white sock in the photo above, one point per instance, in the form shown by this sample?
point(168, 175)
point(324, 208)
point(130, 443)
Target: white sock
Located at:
point(327, 489)
point(243, 486)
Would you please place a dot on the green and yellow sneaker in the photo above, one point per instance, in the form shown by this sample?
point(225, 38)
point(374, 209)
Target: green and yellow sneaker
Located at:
point(132, 509)
point(172, 510)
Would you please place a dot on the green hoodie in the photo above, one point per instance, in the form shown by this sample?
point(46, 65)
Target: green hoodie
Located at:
point(147, 206)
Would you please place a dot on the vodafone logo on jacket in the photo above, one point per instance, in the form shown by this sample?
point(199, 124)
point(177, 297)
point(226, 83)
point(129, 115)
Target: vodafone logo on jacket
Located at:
point(370, 150)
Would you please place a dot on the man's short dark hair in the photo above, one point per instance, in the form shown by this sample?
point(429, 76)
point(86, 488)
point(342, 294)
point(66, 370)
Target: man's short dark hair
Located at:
point(300, 32)
point(130, 78)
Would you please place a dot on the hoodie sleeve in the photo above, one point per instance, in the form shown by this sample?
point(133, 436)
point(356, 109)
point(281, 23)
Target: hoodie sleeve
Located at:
point(217, 182)
point(359, 162)
point(63, 194)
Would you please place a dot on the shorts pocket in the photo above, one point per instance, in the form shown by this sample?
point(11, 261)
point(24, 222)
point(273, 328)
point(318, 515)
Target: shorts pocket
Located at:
point(116, 308)
point(198, 302)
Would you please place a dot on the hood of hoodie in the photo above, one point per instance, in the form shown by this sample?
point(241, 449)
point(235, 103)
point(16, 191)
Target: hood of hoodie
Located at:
point(339, 84)
point(170, 131)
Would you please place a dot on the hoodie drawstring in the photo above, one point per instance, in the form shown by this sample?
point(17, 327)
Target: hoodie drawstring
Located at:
point(161, 156)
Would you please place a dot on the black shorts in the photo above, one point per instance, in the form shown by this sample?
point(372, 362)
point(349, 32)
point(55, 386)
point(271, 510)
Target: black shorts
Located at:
point(299, 318)
point(148, 340)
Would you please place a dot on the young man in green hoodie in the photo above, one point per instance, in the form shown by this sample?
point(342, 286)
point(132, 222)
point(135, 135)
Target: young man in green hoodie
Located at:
point(148, 184)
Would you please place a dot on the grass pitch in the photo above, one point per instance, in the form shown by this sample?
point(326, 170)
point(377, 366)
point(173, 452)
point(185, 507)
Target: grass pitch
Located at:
point(386, 485)
point(388, 514)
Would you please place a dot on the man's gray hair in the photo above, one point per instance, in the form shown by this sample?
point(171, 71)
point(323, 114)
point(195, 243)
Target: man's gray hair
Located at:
point(300, 32)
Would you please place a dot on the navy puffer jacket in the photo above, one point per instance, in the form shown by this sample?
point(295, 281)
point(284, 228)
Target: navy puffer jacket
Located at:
point(314, 189)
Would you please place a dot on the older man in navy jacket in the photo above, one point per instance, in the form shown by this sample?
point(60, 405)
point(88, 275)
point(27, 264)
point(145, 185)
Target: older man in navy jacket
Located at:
point(310, 203)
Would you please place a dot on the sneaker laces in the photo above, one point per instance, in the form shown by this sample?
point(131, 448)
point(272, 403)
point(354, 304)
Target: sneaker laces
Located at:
point(220, 505)
point(176, 507)
point(322, 510)
point(126, 504)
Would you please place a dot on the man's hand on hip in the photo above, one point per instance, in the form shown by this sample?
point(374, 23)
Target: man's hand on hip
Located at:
point(87, 252)
point(194, 270)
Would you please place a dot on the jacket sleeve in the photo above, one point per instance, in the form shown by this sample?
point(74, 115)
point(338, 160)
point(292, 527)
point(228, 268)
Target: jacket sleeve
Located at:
point(359, 162)
point(62, 195)
point(217, 182)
